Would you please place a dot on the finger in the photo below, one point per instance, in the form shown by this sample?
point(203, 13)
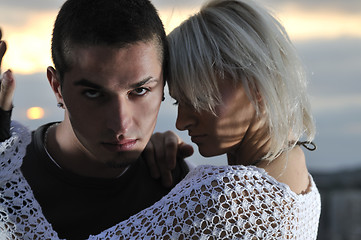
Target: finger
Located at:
point(167, 179)
point(149, 157)
point(165, 143)
point(7, 89)
point(185, 150)
point(171, 142)
point(167, 162)
point(161, 161)
point(2, 51)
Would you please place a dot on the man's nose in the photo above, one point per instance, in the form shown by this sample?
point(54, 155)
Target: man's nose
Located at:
point(119, 115)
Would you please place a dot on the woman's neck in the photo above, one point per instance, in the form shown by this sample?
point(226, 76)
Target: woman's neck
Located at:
point(254, 145)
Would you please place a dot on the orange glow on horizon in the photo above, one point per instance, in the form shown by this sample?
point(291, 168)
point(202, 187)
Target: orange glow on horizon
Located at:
point(307, 25)
point(29, 44)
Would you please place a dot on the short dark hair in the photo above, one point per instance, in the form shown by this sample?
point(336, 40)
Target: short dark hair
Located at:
point(114, 23)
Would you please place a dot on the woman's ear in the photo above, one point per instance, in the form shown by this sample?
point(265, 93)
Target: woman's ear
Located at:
point(55, 84)
point(259, 97)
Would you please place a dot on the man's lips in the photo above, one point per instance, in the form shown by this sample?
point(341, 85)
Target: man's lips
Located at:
point(119, 146)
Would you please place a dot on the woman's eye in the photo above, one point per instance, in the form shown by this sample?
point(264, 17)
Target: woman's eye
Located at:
point(140, 91)
point(92, 93)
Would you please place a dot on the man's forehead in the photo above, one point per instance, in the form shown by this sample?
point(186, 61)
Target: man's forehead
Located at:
point(73, 50)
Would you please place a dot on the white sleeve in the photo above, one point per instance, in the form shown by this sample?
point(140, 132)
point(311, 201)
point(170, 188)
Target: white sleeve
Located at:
point(20, 214)
point(218, 203)
point(205, 205)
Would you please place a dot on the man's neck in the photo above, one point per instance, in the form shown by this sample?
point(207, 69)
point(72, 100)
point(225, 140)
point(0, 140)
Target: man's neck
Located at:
point(70, 155)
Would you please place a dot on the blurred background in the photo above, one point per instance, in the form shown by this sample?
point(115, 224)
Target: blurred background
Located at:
point(327, 34)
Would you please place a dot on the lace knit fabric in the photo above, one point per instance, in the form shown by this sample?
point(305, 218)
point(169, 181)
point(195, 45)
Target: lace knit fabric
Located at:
point(20, 213)
point(228, 202)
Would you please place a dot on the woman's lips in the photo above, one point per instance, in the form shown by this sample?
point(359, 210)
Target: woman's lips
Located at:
point(198, 138)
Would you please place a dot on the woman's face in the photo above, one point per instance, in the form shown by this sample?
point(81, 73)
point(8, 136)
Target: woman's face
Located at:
point(221, 133)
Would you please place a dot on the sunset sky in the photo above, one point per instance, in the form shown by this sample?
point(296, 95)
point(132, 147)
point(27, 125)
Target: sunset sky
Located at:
point(27, 25)
point(327, 34)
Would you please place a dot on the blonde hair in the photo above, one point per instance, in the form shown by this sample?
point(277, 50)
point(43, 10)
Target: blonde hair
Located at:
point(240, 40)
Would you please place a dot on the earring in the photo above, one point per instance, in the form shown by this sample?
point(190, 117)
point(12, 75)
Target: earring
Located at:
point(60, 105)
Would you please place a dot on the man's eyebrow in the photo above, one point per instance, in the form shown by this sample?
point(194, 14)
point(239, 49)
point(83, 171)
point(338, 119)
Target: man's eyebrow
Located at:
point(87, 83)
point(143, 82)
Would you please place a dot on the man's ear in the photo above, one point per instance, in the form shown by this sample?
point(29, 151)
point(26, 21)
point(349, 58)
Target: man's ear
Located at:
point(55, 84)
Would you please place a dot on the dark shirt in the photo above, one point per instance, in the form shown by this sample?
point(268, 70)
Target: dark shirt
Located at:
point(5, 119)
point(78, 206)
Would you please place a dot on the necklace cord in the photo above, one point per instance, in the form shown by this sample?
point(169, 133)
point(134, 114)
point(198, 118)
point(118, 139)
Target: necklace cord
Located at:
point(311, 146)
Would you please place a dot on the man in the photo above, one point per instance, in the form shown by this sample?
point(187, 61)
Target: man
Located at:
point(86, 172)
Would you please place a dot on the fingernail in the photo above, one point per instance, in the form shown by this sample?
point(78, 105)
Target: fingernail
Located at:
point(7, 76)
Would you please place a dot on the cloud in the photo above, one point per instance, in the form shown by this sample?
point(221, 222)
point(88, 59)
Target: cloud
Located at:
point(334, 66)
point(29, 46)
point(351, 6)
point(160, 4)
point(302, 19)
point(326, 104)
point(37, 5)
point(347, 6)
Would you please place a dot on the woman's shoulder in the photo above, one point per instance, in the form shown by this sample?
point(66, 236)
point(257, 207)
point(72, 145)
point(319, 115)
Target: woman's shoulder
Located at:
point(240, 192)
point(214, 201)
point(238, 181)
point(230, 173)
point(239, 177)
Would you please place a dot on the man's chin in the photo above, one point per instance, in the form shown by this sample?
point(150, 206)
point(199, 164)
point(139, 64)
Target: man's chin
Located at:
point(121, 163)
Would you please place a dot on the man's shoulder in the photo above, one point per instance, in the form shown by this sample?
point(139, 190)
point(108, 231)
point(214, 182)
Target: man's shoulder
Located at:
point(38, 134)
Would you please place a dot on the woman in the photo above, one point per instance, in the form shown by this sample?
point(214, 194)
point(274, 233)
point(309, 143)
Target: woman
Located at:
point(240, 91)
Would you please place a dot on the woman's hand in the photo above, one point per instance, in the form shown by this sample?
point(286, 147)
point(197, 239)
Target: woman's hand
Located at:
point(7, 88)
point(162, 152)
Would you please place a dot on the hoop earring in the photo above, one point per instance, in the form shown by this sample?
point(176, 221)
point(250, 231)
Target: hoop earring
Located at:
point(60, 105)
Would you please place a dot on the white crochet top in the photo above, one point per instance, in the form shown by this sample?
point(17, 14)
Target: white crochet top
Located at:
point(212, 202)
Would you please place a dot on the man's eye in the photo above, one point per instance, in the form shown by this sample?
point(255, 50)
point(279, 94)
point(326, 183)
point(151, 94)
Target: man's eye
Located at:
point(92, 93)
point(140, 91)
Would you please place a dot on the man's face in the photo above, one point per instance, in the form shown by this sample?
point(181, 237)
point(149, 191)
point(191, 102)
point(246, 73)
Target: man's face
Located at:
point(112, 98)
